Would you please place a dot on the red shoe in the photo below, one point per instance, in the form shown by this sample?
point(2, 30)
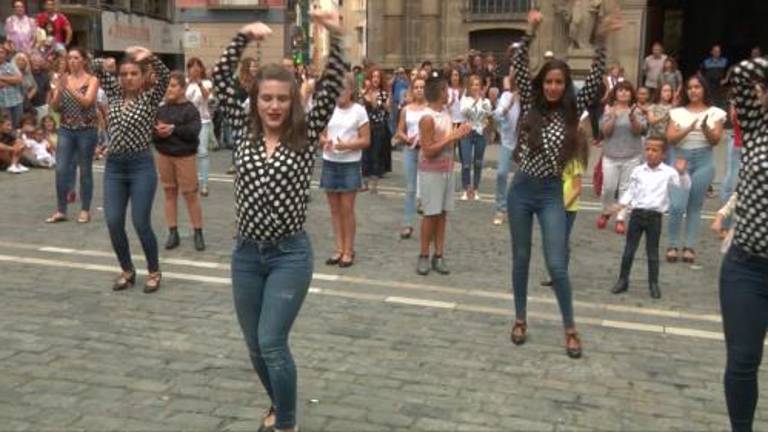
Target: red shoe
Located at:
point(602, 221)
point(620, 228)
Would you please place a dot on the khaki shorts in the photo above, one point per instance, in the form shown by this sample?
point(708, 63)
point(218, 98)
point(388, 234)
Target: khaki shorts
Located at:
point(177, 172)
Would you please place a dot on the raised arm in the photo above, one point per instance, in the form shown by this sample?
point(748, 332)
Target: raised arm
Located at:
point(162, 78)
point(331, 82)
point(225, 79)
point(521, 66)
point(104, 69)
point(589, 93)
point(750, 107)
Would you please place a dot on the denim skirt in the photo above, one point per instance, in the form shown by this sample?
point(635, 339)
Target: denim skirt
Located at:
point(341, 176)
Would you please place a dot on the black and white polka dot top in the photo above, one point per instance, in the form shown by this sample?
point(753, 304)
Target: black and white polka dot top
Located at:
point(751, 231)
point(130, 125)
point(547, 162)
point(271, 194)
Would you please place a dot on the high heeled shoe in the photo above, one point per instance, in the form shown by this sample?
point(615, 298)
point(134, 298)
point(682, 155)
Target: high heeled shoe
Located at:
point(124, 281)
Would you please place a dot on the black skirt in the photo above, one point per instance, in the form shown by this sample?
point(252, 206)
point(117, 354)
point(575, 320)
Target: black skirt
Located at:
point(377, 158)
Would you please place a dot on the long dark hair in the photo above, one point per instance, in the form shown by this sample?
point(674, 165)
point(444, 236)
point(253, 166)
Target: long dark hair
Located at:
point(532, 125)
point(294, 133)
point(707, 98)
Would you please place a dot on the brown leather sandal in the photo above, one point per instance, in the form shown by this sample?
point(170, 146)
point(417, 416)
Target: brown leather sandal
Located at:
point(519, 332)
point(572, 344)
point(152, 283)
point(672, 255)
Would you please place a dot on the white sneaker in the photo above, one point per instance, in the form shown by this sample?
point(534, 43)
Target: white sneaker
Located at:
point(16, 169)
point(477, 196)
point(464, 196)
point(22, 168)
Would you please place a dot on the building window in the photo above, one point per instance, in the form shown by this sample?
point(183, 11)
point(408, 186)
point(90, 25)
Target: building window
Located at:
point(499, 6)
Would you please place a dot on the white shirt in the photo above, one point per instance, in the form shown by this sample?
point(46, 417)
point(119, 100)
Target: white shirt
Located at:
point(684, 118)
point(649, 187)
point(507, 121)
point(412, 119)
point(345, 125)
point(195, 95)
point(454, 105)
point(476, 113)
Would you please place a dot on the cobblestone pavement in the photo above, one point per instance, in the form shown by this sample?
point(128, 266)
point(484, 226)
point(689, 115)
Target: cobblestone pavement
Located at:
point(379, 348)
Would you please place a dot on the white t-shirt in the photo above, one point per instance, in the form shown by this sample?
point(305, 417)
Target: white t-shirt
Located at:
point(683, 118)
point(454, 105)
point(345, 124)
point(195, 95)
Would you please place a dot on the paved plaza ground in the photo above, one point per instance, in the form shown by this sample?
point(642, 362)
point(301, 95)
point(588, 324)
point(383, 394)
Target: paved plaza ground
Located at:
point(378, 347)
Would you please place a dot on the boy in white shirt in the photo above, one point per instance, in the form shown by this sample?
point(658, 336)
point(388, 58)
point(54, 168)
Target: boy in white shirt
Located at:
point(648, 197)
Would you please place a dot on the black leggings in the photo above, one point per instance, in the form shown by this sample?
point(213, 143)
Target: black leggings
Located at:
point(744, 304)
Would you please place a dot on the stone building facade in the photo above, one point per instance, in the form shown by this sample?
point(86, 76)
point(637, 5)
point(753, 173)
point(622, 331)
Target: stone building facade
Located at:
point(406, 32)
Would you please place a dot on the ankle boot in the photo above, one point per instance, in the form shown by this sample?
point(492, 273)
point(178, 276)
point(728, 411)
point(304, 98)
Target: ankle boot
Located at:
point(173, 239)
point(199, 242)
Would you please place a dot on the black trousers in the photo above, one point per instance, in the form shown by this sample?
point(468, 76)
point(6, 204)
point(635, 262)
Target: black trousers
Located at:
point(744, 304)
point(648, 222)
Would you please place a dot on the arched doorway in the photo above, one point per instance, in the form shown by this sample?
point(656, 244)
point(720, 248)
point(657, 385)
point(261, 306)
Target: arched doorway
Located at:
point(688, 29)
point(495, 41)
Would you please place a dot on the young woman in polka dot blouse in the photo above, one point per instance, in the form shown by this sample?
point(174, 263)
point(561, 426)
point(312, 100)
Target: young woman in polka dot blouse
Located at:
point(548, 134)
point(129, 172)
point(274, 157)
point(744, 274)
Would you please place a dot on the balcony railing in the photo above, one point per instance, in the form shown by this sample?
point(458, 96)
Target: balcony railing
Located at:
point(504, 8)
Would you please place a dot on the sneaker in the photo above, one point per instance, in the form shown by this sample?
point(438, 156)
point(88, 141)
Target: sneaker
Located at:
point(422, 267)
point(14, 169)
point(476, 196)
point(464, 196)
point(498, 219)
point(21, 168)
point(438, 265)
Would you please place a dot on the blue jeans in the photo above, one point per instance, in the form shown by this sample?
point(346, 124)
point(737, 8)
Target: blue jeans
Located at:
point(744, 305)
point(732, 167)
point(410, 165)
point(131, 178)
point(542, 197)
point(270, 280)
point(570, 219)
point(75, 147)
point(472, 151)
point(701, 168)
point(203, 162)
point(502, 178)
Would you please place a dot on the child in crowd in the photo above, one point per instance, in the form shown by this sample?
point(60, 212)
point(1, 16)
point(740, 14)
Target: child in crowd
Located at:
point(37, 150)
point(51, 131)
point(648, 197)
point(11, 148)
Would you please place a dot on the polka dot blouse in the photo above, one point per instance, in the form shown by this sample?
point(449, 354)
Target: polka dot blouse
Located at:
point(546, 162)
point(751, 231)
point(130, 124)
point(271, 193)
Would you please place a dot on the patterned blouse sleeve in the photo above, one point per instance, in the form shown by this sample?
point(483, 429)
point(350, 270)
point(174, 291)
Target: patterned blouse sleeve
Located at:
point(749, 108)
point(107, 80)
point(162, 78)
point(521, 66)
point(224, 79)
point(329, 87)
point(588, 93)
